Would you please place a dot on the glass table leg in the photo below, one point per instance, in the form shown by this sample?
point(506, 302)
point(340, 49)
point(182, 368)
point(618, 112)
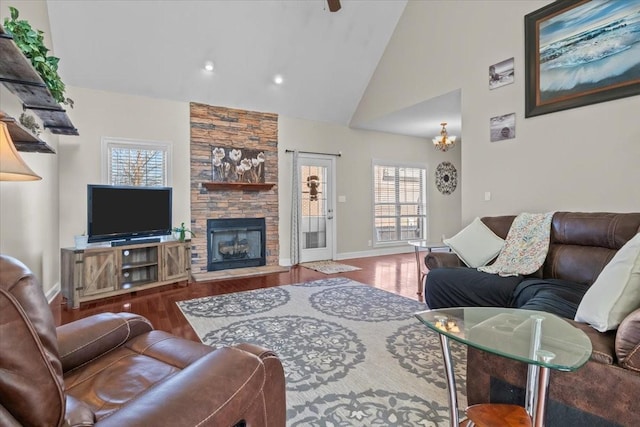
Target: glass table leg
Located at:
point(454, 418)
point(542, 388)
point(419, 266)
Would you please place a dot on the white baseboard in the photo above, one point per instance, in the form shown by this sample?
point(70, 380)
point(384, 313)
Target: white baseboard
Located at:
point(286, 262)
point(375, 252)
point(53, 292)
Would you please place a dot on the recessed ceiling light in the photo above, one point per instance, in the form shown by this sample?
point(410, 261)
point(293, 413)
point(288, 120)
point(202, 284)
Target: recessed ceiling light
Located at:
point(208, 66)
point(278, 79)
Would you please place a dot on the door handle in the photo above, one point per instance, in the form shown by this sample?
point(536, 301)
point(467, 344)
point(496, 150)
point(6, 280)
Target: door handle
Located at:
point(330, 217)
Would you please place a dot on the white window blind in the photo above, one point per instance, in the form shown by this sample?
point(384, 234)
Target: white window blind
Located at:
point(400, 203)
point(136, 163)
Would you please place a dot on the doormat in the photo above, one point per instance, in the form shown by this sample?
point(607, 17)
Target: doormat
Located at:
point(329, 267)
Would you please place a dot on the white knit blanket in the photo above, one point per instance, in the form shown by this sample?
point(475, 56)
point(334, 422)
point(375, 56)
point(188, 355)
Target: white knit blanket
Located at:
point(526, 246)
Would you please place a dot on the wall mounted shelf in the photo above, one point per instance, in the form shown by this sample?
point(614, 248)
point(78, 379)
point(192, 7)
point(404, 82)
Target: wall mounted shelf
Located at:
point(22, 137)
point(239, 186)
point(19, 76)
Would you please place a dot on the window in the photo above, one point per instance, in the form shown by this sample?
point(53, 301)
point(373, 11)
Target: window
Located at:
point(137, 163)
point(400, 203)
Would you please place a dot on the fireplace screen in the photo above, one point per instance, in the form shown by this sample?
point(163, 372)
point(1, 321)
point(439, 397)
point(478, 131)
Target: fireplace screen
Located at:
point(235, 243)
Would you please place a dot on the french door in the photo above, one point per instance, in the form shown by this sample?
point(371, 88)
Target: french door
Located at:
point(317, 212)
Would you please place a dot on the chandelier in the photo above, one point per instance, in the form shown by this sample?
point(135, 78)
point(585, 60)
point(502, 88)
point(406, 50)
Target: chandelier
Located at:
point(444, 142)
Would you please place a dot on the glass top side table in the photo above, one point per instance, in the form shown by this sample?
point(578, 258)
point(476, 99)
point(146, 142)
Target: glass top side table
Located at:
point(428, 246)
point(542, 340)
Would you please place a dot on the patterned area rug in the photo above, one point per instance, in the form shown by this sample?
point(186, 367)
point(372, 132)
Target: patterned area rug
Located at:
point(353, 355)
point(329, 267)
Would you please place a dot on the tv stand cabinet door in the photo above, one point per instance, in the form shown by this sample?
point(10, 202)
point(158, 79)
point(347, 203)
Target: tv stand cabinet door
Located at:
point(176, 261)
point(100, 271)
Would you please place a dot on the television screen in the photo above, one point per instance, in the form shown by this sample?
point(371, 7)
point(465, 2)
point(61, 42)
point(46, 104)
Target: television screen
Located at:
point(118, 212)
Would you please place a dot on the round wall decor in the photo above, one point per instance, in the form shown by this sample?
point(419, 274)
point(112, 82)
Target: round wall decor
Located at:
point(446, 178)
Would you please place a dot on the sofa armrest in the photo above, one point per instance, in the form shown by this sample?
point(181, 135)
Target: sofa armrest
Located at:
point(222, 388)
point(275, 383)
point(88, 338)
point(627, 342)
point(442, 259)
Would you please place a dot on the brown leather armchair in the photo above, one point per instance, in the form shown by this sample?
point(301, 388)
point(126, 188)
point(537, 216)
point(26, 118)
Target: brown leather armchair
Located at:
point(115, 370)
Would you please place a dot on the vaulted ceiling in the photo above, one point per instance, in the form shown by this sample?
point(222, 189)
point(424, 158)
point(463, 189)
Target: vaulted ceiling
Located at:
point(158, 48)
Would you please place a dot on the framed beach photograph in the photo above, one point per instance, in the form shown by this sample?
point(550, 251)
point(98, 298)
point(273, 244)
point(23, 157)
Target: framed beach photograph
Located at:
point(501, 74)
point(581, 52)
point(502, 127)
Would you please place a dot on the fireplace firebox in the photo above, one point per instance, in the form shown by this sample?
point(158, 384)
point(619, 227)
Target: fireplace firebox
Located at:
point(235, 243)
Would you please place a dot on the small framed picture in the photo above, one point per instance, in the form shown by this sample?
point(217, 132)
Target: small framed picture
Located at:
point(503, 127)
point(501, 74)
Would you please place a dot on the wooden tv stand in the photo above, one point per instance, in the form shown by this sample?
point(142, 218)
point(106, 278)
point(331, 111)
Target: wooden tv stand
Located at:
point(104, 271)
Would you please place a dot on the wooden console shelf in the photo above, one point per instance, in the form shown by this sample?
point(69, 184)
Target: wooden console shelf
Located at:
point(244, 186)
point(100, 272)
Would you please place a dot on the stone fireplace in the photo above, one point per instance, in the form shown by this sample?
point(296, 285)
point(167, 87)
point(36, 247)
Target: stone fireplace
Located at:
point(235, 243)
point(213, 127)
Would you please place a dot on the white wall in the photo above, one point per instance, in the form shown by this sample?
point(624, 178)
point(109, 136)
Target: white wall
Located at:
point(98, 114)
point(353, 175)
point(29, 210)
point(37, 219)
point(580, 159)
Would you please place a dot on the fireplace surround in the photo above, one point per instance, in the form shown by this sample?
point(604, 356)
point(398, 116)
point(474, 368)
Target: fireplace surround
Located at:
point(235, 243)
point(245, 130)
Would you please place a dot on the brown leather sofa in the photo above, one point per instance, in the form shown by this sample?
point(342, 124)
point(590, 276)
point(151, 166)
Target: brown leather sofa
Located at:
point(115, 370)
point(605, 391)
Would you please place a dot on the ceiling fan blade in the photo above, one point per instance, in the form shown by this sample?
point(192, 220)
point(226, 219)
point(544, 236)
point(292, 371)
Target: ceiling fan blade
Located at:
point(334, 5)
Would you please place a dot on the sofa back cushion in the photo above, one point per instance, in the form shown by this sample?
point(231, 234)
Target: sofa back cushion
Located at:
point(499, 224)
point(582, 243)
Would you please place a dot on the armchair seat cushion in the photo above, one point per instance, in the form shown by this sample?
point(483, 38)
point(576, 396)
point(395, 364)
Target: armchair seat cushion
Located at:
point(111, 381)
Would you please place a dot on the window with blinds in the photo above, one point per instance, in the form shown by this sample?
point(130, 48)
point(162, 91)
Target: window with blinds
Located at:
point(136, 163)
point(400, 203)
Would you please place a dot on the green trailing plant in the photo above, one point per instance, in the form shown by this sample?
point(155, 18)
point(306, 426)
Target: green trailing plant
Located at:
point(31, 43)
point(182, 230)
point(30, 123)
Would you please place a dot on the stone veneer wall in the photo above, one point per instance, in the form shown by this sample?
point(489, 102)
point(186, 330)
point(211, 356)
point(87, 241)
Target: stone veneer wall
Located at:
point(231, 128)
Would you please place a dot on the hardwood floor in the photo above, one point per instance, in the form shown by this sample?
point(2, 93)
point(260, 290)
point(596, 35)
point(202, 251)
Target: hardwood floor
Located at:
point(394, 273)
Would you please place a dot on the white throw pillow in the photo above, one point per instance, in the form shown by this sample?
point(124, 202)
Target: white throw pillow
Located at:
point(475, 244)
point(616, 291)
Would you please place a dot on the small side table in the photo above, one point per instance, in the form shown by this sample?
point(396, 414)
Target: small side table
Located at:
point(542, 340)
point(428, 246)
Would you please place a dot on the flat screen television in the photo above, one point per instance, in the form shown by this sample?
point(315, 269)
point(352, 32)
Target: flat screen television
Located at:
point(127, 213)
